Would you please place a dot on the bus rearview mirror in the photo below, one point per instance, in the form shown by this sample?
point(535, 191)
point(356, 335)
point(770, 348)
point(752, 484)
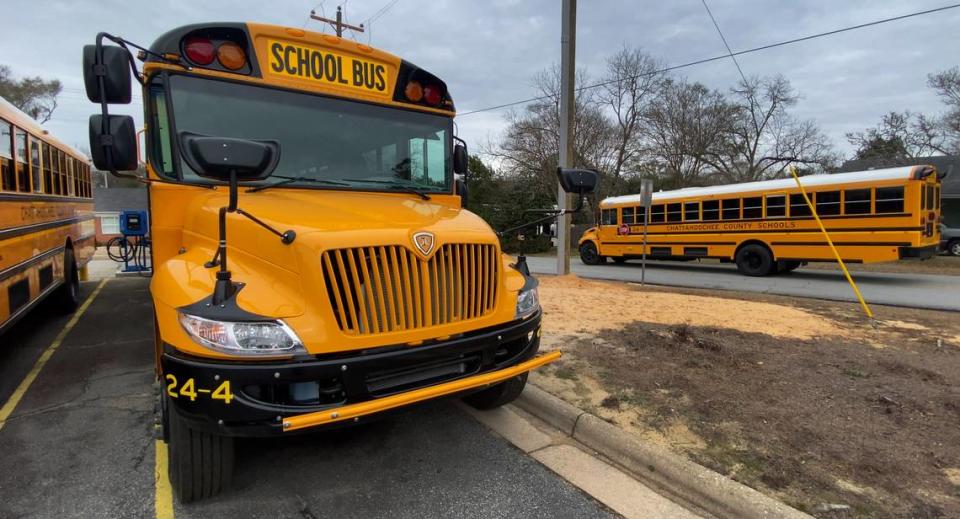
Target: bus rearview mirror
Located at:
point(115, 70)
point(460, 162)
point(115, 149)
point(219, 157)
point(578, 181)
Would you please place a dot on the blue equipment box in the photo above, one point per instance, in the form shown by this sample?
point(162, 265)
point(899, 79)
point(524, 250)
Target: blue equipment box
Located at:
point(133, 223)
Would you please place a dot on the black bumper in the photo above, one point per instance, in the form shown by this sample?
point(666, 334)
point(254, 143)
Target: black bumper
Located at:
point(262, 393)
point(918, 252)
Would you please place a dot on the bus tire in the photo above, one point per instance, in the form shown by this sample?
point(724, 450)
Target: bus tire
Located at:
point(589, 254)
point(200, 464)
point(954, 247)
point(755, 260)
point(68, 295)
point(498, 395)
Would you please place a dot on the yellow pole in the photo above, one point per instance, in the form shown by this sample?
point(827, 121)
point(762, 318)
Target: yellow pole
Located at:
point(813, 210)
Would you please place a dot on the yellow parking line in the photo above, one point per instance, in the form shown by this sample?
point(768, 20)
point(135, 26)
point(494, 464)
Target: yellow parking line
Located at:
point(11, 404)
point(163, 498)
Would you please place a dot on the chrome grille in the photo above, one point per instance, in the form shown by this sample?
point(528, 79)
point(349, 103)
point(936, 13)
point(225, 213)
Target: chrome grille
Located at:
point(390, 288)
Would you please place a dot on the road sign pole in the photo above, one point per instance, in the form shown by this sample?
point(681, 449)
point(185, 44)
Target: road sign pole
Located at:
point(646, 195)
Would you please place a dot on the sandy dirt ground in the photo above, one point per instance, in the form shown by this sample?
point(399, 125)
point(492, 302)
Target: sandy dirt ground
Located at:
point(803, 399)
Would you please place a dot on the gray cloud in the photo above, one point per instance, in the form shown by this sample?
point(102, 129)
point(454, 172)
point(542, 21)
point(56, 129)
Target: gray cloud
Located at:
point(487, 51)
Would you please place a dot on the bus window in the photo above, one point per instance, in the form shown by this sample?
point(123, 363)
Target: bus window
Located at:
point(35, 165)
point(674, 213)
point(641, 212)
point(730, 209)
point(798, 206)
point(47, 152)
point(936, 197)
point(656, 213)
point(711, 209)
point(776, 206)
point(828, 203)
point(23, 167)
point(8, 181)
point(890, 199)
point(691, 211)
point(608, 217)
point(626, 215)
point(752, 207)
point(856, 201)
point(930, 198)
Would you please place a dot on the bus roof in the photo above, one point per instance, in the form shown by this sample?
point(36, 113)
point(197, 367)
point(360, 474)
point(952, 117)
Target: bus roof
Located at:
point(901, 173)
point(21, 120)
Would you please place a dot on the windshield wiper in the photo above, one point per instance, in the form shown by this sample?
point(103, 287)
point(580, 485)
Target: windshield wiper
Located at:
point(290, 180)
point(394, 185)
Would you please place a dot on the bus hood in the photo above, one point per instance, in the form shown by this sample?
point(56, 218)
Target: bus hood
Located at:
point(334, 219)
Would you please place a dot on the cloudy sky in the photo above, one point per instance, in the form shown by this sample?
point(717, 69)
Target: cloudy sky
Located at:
point(487, 50)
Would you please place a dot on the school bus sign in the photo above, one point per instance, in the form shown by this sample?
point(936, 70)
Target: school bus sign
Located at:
point(328, 67)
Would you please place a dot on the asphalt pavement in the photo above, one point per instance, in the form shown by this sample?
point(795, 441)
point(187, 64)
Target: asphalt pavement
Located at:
point(81, 442)
point(912, 290)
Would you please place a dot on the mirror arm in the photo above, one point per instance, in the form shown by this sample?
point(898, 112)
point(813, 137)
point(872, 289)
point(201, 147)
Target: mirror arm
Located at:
point(553, 214)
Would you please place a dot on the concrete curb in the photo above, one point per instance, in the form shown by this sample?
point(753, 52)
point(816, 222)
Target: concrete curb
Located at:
point(714, 492)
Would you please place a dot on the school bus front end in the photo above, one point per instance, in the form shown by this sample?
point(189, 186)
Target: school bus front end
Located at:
point(347, 283)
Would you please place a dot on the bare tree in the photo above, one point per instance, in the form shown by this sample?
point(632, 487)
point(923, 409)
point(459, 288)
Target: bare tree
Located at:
point(763, 138)
point(899, 137)
point(680, 125)
point(530, 146)
point(33, 95)
point(632, 80)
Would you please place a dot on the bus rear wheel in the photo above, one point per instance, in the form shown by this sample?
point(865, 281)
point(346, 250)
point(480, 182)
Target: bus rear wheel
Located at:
point(754, 260)
point(200, 464)
point(589, 254)
point(68, 295)
point(954, 247)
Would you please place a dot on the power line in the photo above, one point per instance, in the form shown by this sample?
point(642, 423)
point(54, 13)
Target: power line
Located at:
point(725, 56)
point(725, 44)
point(380, 12)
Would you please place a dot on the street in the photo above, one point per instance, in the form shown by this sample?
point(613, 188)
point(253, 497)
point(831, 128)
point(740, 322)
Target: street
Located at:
point(914, 290)
point(82, 441)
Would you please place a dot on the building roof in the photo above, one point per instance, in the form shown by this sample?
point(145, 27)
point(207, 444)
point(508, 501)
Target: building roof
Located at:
point(116, 199)
point(948, 165)
point(771, 185)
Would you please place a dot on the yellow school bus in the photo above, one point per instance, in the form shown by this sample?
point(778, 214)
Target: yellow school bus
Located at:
point(766, 227)
point(314, 265)
point(46, 217)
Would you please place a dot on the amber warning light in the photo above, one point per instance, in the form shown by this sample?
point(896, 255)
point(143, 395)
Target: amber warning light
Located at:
point(202, 51)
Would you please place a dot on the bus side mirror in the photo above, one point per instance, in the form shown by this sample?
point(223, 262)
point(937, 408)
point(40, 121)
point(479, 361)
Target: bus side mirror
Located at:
point(115, 149)
point(115, 71)
point(218, 158)
point(578, 181)
point(460, 159)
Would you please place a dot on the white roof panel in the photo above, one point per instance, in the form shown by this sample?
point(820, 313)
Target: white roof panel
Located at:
point(902, 173)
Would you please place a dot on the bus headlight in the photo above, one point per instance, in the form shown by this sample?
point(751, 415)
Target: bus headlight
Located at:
point(242, 338)
point(527, 303)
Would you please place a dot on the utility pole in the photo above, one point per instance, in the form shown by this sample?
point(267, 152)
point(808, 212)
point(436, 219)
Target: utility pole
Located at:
point(568, 46)
point(338, 24)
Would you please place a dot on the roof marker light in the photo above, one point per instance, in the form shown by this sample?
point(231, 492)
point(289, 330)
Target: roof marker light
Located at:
point(199, 50)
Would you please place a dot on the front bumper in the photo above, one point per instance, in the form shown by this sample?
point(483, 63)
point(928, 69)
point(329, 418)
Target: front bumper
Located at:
point(266, 398)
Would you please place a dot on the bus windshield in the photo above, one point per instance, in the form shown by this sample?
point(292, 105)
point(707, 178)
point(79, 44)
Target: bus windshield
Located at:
point(347, 144)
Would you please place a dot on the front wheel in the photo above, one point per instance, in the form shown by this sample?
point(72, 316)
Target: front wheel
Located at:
point(498, 395)
point(200, 463)
point(755, 260)
point(589, 254)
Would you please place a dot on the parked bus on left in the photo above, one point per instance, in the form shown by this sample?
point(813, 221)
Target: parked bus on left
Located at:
point(46, 217)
